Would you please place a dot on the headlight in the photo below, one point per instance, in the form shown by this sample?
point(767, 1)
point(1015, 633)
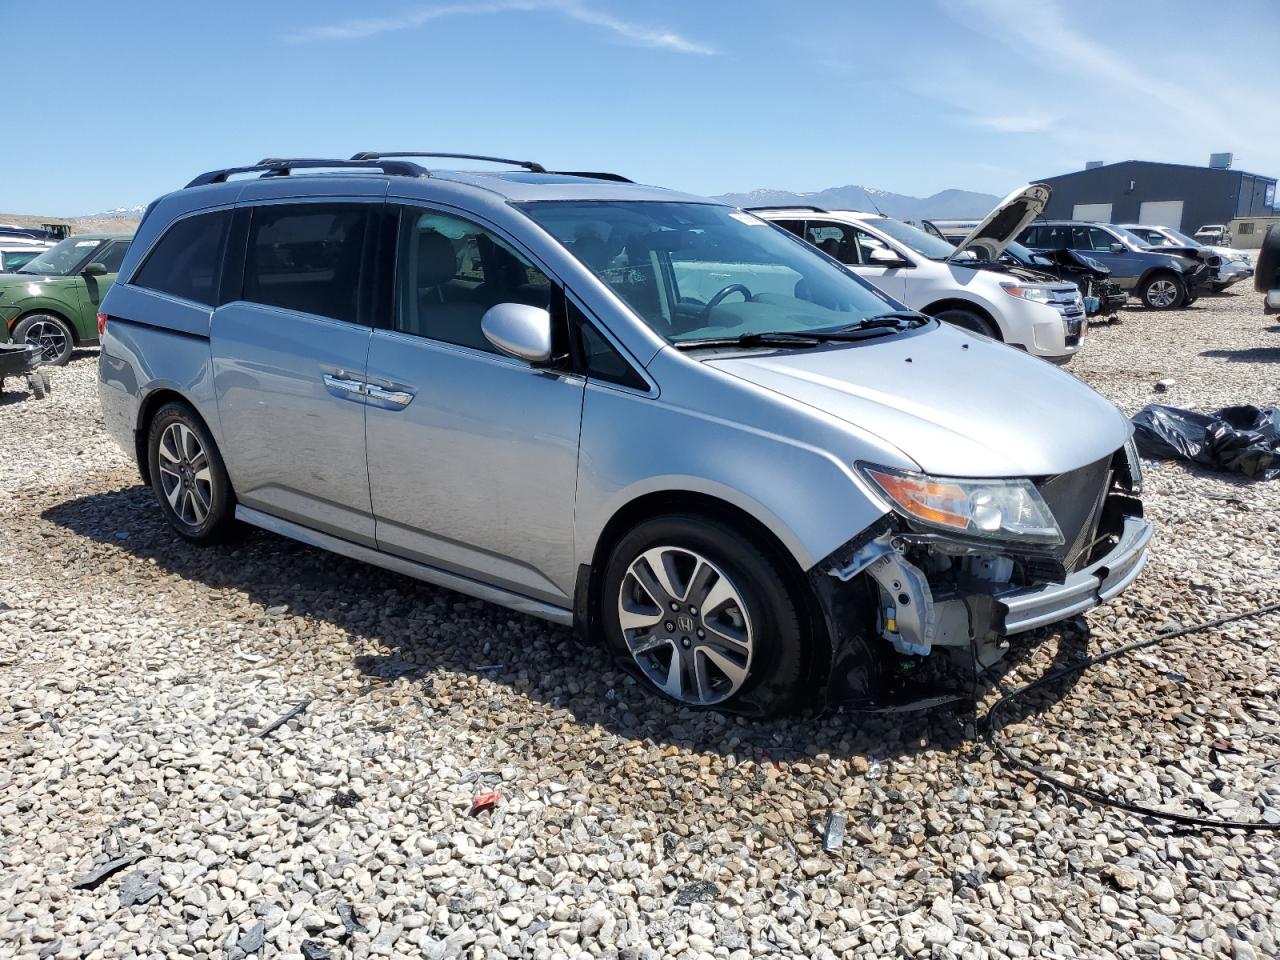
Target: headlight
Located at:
point(994, 509)
point(1024, 292)
point(1134, 465)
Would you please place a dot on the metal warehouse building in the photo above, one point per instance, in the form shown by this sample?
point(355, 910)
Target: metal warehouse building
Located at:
point(1165, 194)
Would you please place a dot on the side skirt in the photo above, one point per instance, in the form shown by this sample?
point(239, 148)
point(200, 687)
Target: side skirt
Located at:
point(419, 571)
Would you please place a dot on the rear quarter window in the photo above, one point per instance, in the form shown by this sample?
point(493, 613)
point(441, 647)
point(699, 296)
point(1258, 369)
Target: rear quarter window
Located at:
point(185, 262)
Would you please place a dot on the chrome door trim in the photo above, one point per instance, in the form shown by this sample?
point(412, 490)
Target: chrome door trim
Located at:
point(344, 387)
point(395, 398)
point(419, 571)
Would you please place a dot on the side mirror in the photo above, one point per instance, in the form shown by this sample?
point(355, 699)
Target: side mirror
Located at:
point(1117, 248)
point(884, 257)
point(519, 331)
point(95, 269)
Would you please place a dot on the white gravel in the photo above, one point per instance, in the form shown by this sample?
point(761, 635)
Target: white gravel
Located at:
point(139, 672)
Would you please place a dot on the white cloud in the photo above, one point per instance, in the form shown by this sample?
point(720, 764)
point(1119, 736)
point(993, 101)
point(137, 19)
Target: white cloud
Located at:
point(629, 32)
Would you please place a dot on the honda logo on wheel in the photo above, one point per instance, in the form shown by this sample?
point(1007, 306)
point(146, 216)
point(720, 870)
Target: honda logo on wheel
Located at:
point(685, 623)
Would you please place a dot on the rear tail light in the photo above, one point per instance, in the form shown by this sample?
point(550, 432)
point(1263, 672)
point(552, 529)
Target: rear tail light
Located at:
point(102, 324)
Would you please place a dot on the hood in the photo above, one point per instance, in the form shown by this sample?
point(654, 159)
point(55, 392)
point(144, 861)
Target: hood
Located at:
point(1007, 220)
point(956, 403)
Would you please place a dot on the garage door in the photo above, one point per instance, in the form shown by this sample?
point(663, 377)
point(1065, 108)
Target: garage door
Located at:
point(1097, 212)
point(1161, 213)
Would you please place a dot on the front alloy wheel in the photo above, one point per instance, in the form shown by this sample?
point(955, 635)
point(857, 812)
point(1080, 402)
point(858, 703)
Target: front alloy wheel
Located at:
point(1163, 293)
point(685, 625)
point(709, 613)
point(50, 334)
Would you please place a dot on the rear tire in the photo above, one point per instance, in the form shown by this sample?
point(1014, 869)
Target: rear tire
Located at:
point(968, 320)
point(188, 476)
point(1163, 291)
point(52, 333)
point(710, 618)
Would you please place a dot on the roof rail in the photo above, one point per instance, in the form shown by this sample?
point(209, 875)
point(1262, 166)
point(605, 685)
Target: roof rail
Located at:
point(615, 177)
point(787, 206)
point(526, 164)
point(282, 167)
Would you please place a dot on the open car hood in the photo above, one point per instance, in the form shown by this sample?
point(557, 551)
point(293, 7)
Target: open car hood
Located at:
point(1006, 221)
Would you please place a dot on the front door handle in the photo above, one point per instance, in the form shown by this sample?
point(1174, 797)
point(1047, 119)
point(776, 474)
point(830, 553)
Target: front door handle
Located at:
point(400, 398)
point(355, 388)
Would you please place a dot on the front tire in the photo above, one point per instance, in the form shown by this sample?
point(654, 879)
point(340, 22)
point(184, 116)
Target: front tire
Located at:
point(706, 616)
point(188, 476)
point(1163, 291)
point(968, 320)
point(54, 337)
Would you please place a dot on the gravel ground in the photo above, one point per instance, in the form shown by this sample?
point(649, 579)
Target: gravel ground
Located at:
point(143, 678)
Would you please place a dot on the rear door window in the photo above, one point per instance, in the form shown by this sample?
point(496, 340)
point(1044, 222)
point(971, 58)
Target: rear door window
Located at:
point(834, 239)
point(185, 262)
point(308, 257)
point(112, 256)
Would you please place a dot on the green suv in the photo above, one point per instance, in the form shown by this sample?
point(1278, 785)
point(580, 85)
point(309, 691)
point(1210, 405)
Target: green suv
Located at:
point(53, 299)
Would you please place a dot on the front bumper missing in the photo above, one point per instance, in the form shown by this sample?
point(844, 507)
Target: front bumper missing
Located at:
point(1083, 590)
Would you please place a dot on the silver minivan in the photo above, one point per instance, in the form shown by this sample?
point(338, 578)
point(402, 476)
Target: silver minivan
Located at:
point(755, 478)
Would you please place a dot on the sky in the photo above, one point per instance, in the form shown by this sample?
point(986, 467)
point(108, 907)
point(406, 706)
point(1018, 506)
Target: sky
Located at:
point(128, 101)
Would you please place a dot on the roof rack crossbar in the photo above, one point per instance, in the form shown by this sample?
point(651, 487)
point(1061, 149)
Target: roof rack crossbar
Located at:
point(787, 206)
point(282, 167)
point(529, 165)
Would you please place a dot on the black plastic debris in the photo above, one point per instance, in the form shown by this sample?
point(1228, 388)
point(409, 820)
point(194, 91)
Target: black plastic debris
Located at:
point(1244, 439)
point(251, 940)
point(95, 876)
point(314, 951)
point(139, 888)
point(292, 712)
point(700, 891)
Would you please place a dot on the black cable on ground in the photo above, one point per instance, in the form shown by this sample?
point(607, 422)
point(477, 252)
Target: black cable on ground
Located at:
point(1096, 796)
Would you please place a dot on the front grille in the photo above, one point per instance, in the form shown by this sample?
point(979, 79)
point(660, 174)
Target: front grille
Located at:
point(1076, 498)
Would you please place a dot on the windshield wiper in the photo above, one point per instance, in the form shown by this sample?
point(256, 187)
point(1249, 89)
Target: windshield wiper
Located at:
point(894, 319)
point(778, 338)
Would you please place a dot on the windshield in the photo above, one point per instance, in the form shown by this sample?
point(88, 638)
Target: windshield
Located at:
point(925, 244)
point(695, 271)
point(62, 259)
point(1133, 238)
point(1180, 237)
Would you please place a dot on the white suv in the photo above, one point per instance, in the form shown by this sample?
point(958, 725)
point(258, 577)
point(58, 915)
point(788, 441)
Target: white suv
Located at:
point(963, 284)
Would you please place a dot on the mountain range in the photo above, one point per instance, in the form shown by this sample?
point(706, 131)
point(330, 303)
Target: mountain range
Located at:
point(945, 205)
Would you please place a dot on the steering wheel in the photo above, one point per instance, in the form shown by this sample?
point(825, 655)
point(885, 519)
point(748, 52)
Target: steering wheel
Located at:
point(719, 297)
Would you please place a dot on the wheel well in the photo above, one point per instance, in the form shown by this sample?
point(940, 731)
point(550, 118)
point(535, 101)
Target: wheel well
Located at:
point(75, 334)
point(677, 501)
point(972, 307)
point(1153, 273)
point(150, 405)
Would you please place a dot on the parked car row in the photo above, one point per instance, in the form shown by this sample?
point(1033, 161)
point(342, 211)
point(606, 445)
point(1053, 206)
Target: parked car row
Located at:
point(52, 299)
point(729, 451)
point(1228, 266)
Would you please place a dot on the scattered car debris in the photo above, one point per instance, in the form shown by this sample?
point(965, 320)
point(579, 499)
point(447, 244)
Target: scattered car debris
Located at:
point(344, 799)
point(93, 878)
point(484, 800)
point(833, 836)
point(314, 951)
point(251, 940)
point(139, 888)
point(387, 668)
point(699, 891)
point(292, 712)
point(1163, 386)
point(1243, 439)
point(348, 917)
point(1175, 676)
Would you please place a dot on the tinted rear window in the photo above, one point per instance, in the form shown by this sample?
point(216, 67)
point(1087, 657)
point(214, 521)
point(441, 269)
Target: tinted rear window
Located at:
point(307, 257)
point(185, 261)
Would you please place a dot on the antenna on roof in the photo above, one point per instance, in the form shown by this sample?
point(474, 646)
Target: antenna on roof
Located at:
point(867, 193)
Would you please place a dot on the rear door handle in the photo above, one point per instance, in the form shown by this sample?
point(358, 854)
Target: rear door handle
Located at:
point(399, 398)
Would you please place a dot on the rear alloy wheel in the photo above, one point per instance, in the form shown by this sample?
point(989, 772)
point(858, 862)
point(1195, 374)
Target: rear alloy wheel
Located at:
point(968, 320)
point(187, 475)
point(704, 616)
point(1164, 291)
point(50, 333)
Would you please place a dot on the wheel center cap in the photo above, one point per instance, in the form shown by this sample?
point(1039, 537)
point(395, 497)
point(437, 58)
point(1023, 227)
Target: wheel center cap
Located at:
point(685, 623)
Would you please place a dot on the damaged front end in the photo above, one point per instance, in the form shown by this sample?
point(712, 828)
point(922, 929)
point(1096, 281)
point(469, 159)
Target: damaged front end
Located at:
point(906, 588)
